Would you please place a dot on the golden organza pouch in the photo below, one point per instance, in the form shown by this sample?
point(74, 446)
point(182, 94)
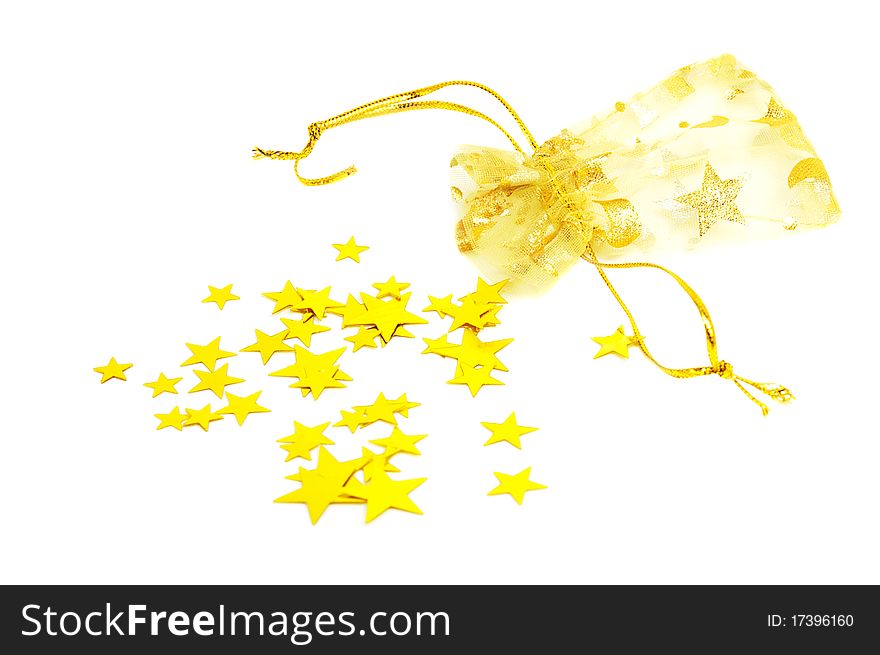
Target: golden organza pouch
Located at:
point(711, 153)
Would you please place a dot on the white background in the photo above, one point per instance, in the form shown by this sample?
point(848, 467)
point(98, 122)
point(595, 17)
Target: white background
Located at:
point(127, 188)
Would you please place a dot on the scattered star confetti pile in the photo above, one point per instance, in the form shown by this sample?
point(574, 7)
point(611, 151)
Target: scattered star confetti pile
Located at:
point(372, 319)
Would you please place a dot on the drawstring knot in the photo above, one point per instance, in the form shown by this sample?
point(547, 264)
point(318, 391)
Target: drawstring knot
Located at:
point(725, 370)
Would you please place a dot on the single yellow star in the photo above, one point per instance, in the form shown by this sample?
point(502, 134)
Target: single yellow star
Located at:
point(207, 355)
point(351, 420)
point(390, 289)
point(350, 250)
point(474, 378)
point(715, 200)
point(220, 295)
point(315, 302)
point(617, 343)
point(515, 485)
point(398, 442)
point(382, 493)
point(113, 370)
point(284, 299)
point(173, 419)
point(488, 293)
point(242, 406)
point(443, 306)
point(215, 381)
point(268, 344)
point(365, 338)
point(202, 417)
point(163, 385)
point(508, 431)
point(304, 440)
point(303, 329)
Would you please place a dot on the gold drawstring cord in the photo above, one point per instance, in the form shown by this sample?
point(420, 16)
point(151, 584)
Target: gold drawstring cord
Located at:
point(717, 367)
point(392, 104)
point(401, 102)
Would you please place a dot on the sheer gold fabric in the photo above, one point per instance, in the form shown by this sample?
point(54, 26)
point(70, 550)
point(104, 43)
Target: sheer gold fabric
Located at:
point(709, 153)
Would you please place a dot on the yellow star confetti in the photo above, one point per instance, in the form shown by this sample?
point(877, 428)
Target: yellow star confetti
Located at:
point(284, 299)
point(401, 332)
point(351, 311)
point(443, 306)
point(376, 463)
point(331, 468)
point(268, 344)
point(202, 417)
point(112, 370)
point(382, 493)
point(475, 378)
point(490, 318)
point(242, 406)
point(618, 343)
point(715, 200)
point(438, 346)
point(381, 410)
point(304, 440)
point(365, 338)
point(315, 372)
point(390, 289)
point(474, 352)
point(315, 303)
point(317, 381)
point(349, 250)
point(163, 385)
point(323, 485)
point(207, 355)
point(477, 310)
point(476, 359)
point(316, 491)
point(303, 329)
point(488, 293)
point(469, 313)
point(215, 381)
point(515, 485)
point(402, 405)
point(398, 442)
point(220, 295)
point(508, 431)
point(386, 315)
point(173, 419)
point(351, 420)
